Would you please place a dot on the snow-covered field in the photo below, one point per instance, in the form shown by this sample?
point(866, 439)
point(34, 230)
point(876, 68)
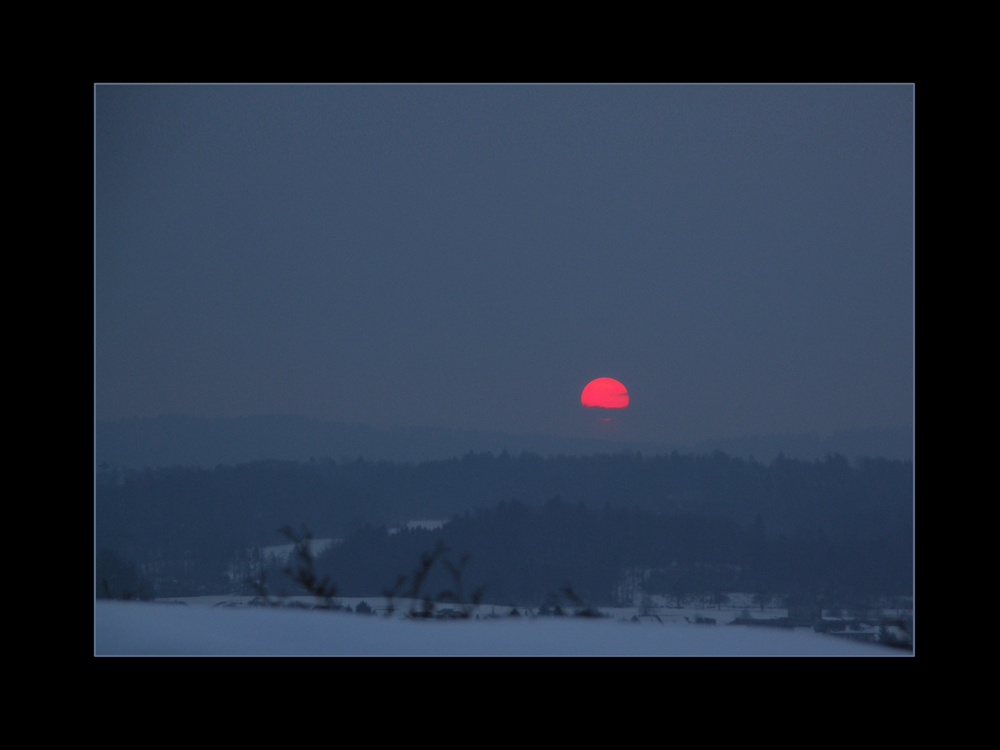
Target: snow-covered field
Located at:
point(739, 605)
point(153, 628)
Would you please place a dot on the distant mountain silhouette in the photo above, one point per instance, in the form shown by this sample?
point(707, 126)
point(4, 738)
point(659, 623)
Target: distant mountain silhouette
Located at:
point(207, 441)
point(881, 442)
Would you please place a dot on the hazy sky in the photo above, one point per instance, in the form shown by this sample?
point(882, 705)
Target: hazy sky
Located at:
point(740, 257)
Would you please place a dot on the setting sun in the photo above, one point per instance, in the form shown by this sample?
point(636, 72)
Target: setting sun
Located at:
point(606, 393)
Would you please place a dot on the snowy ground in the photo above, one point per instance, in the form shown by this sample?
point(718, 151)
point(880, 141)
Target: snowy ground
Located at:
point(141, 628)
point(666, 614)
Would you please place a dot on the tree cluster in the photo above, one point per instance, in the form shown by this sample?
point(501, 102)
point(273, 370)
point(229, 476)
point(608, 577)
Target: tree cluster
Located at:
point(521, 555)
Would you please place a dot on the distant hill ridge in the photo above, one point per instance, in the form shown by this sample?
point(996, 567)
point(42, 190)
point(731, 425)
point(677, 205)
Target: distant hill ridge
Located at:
point(139, 442)
point(875, 442)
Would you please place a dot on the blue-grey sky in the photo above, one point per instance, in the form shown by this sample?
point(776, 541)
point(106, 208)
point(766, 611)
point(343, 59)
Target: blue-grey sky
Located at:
point(740, 257)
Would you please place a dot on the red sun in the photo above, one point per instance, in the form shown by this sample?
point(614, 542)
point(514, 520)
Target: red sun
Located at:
point(606, 393)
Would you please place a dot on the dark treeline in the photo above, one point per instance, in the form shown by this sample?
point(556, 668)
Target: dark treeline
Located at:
point(525, 556)
point(197, 521)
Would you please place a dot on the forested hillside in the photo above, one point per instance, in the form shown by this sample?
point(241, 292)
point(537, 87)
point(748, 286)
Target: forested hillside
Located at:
point(195, 522)
point(515, 554)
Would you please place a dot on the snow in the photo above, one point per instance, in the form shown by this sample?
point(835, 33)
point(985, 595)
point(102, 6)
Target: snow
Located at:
point(281, 552)
point(150, 628)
